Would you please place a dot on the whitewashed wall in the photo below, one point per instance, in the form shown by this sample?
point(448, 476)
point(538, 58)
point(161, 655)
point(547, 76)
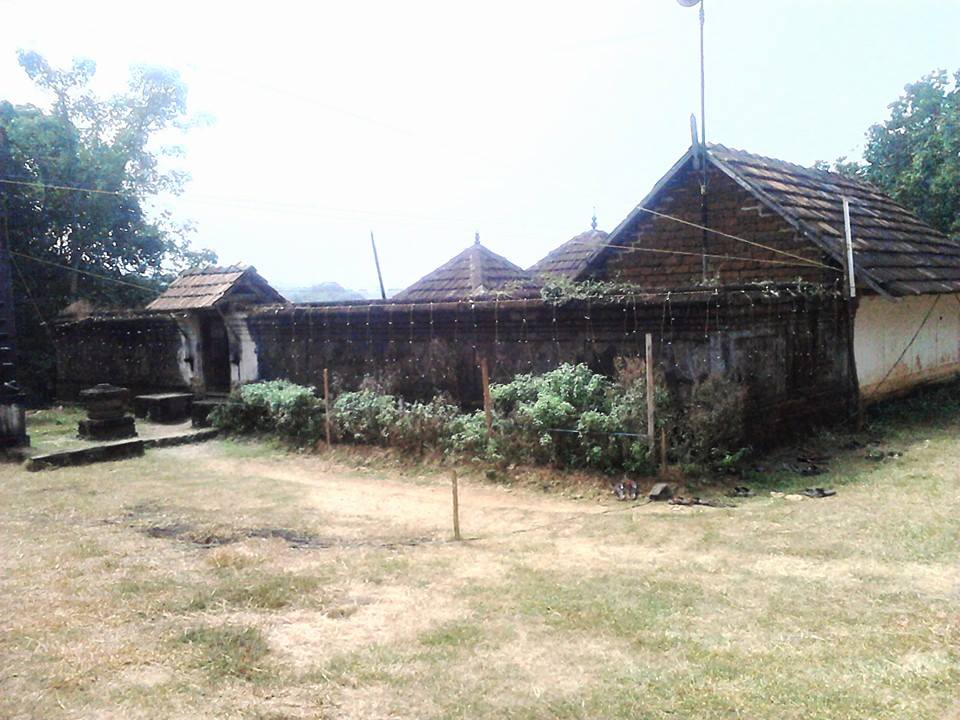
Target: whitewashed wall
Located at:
point(883, 329)
point(243, 350)
point(189, 357)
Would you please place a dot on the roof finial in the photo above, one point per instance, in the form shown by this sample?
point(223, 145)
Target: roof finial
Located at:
point(593, 221)
point(476, 238)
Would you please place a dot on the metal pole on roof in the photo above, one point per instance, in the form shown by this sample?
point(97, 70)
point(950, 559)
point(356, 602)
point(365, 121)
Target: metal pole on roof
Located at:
point(376, 260)
point(850, 294)
point(703, 83)
point(704, 215)
point(848, 249)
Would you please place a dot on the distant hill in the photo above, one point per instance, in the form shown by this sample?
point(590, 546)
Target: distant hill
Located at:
point(323, 292)
point(329, 292)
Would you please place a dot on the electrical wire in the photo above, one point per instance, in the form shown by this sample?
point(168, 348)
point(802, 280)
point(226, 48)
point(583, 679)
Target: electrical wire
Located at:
point(106, 278)
point(49, 186)
point(294, 209)
point(36, 307)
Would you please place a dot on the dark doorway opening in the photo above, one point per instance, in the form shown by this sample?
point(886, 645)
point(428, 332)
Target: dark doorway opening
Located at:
point(216, 354)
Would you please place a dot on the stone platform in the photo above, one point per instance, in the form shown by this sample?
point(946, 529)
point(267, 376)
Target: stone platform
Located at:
point(163, 407)
point(68, 450)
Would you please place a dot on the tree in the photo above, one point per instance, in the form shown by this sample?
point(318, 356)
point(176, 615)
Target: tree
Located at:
point(74, 182)
point(915, 155)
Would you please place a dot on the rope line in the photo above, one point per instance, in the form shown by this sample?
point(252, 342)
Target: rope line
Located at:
point(631, 248)
point(728, 235)
point(909, 344)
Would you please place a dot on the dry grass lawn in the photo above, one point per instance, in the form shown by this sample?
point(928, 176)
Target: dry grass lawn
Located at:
point(233, 580)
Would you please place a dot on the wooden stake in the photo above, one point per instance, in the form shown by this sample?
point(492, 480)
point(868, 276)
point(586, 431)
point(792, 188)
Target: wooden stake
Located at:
point(663, 451)
point(651, 400)
point(456, 506)
point(326, 403)
point(487, 402)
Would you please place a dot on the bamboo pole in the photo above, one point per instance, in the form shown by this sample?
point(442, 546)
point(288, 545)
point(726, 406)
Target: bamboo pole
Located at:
point(326, 403)
point(455, 486)
point(487, 402)
point(850, 294)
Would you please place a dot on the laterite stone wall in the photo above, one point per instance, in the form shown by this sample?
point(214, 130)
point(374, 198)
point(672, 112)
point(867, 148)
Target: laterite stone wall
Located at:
point(788, 351)
point(141, 353)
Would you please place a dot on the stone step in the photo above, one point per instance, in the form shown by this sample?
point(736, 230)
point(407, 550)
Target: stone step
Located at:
point(163, 407)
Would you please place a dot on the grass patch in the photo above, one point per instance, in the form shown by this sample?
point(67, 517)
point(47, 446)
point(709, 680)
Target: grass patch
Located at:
point(120, 603)
point(272, 592)
point(228, 651)
point(53, 423)
point(456, 635)
point(623, 606)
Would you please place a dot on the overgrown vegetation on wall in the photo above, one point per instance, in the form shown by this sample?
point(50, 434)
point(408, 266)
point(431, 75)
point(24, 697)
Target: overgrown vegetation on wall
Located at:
point(569, 417)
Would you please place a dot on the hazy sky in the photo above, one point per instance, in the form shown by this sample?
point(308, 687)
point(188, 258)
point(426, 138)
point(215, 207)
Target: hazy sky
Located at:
point(426, 121)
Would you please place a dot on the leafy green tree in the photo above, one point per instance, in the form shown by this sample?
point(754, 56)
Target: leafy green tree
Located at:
point(915, 155)
point(74, 182)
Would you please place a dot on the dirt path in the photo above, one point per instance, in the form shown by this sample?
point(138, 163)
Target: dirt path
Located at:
point(422, 505)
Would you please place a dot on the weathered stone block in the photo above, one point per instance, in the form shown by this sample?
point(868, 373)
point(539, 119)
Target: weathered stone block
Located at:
point(84, 456)
point(163, 407)
point(13, 426)
point(116, 428)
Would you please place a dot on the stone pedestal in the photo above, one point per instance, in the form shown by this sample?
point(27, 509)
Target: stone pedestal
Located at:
point(13, 426)
point(117, 428)
point(107, 417)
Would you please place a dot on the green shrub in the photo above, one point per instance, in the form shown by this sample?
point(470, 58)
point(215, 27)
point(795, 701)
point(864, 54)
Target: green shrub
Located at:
point(711, 430)
point(467, 437)
point(286, 409)
point(567, 417)
point(365, 417)
point(425, 425)
point(570, 417)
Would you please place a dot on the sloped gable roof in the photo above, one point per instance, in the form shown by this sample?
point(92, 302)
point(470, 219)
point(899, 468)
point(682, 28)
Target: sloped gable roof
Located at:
point(474, 273)
point(200, 288)
point(572, 258)
point(895, 252)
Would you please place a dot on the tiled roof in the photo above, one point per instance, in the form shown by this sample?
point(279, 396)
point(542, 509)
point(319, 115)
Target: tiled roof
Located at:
point(571, 258)
point(895, 252)
point(892, 247)
point(205, 287)
point(475, 273)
